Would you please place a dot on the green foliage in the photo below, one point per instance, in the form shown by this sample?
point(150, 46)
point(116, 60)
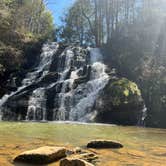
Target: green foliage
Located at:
point(76, 27)
point(10, 58)
point(21, 22)
point(25, 17)
point(128, 86)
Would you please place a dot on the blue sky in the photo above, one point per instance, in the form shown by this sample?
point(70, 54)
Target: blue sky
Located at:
point(58, 8)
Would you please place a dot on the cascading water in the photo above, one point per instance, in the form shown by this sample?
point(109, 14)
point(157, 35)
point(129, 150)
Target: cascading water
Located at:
point(48, 51)
point(143, 115)
point(37, 102)
point(82, 110)
point(61, 113)
point(37, 105)
point(64, 86)
point(77, 103)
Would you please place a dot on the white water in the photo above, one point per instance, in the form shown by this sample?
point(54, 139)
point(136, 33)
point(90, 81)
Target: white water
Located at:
point(143, 115)
point(77, 104)
point(83, 110)
point(37, 102)
point(37, 105)
point(48, 51)
point(61, 113)
point(74, 103)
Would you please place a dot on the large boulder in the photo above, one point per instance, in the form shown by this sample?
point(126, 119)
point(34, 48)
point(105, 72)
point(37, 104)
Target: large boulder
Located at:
point(43, 155)
point(74, 162)
point(120, 103)
point(99, 144)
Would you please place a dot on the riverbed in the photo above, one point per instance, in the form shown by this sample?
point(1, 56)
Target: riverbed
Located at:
point(142, 146)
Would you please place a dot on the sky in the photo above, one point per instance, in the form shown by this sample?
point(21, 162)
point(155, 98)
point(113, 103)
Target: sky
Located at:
point(58, 8)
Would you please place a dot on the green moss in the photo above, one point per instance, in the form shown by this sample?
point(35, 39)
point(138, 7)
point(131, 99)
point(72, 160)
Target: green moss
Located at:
point(126, 92)
point(128, 87)
point(123, 91)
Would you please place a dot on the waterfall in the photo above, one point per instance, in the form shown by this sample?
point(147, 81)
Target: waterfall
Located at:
point(82, 110)
point(74, 106)
point(62, 95)
point(48, 51)
point(37, 102)
point(64, 86)
point(37, 105)
point(41, 70)
point(143, 115)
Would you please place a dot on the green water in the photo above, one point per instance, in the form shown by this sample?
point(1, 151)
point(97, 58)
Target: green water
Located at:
point(142, 146)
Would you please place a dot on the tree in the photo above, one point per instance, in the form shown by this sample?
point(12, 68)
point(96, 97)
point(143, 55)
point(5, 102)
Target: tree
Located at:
point(22, 22)
point(77, 27)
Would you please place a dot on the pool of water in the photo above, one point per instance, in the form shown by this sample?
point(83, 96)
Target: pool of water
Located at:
point(142, 146)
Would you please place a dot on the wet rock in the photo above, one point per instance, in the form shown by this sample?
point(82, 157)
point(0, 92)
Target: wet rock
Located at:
point(41, 155)
point(84, 78)
point(88, 156)
point(55, 60)
point(99, 144)
point(74, 162)
point(83, 154)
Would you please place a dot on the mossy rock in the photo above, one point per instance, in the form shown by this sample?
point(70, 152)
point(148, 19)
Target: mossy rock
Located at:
point(120, 103)
point(123, 91)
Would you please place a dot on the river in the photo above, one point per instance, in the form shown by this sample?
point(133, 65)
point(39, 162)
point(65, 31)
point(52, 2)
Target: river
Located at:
point(142, 146)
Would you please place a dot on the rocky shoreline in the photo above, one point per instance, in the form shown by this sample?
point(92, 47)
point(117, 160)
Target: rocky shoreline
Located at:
point(66, 156)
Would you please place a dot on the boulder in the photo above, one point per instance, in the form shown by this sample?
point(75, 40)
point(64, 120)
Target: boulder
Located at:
point(74, 162)
point(42, 155)
point(119, 103)
point(99, 144)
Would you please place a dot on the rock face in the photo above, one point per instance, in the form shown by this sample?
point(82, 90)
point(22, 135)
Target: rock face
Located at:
point(43, 155)
point(99, 144)
point(74, 162)
point(120, 103)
